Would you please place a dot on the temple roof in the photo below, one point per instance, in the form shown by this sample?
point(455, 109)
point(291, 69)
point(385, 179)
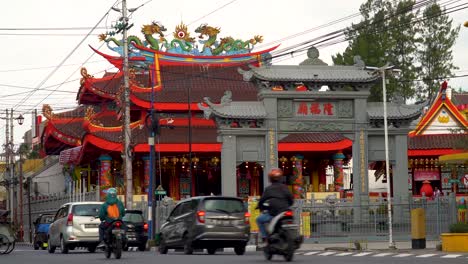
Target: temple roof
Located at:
point(440, 141)
point(208, 81)
point(313, 137)
point(312, 73)
point(394, 111)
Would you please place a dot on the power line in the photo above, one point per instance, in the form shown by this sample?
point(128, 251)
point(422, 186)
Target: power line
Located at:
point(52, 28)
point(45, 35)
point(214, 11)
point(67, 57)
point(47, 67)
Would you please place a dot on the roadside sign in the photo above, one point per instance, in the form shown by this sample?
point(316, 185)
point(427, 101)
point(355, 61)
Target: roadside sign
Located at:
point(160, 191)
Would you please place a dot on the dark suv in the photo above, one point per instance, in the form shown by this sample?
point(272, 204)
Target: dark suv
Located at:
point(209, 222)
point(137, 229)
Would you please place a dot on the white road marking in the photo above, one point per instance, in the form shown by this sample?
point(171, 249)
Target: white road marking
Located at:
point(362, 254)
point(402, 255)
point(426, 255)
point(451, 256)
point(327, 253)
point(344, 254)
point(383, 254)
point(311, 253)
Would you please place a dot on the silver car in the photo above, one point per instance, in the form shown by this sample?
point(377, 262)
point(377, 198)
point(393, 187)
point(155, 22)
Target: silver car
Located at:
point(210, 222)
point(75, 225)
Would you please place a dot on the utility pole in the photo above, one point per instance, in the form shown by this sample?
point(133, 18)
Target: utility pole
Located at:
point(7, 161)
point(127, 137)
point(29, 209)
point(21, 197)
point(12, 171)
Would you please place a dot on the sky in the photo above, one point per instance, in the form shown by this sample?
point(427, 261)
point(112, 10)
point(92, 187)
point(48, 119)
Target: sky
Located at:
point(23, 52)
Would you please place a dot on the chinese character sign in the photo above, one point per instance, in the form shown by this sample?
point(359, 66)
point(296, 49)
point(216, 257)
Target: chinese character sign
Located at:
point(312, 109)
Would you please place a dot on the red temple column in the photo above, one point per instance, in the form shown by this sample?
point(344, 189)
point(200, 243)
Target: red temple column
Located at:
point(338, 171)
point(105, 176)
point(146, 180)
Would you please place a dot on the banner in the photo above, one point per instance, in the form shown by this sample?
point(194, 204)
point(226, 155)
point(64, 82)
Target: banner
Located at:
point(254, 213)
point(305, 224)
point(426, 175)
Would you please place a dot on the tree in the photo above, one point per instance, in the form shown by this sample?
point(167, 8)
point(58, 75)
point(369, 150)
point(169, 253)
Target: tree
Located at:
point(392, 32)
point(435, 51)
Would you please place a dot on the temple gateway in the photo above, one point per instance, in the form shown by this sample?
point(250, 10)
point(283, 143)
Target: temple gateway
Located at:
point(227, 117)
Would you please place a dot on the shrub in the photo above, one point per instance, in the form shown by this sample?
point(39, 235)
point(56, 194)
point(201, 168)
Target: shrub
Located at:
point(459, 228)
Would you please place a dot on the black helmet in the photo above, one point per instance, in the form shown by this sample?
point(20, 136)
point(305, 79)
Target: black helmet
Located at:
point(275, 174)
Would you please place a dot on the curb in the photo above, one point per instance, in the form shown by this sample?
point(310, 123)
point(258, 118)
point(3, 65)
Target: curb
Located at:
point(249, 248)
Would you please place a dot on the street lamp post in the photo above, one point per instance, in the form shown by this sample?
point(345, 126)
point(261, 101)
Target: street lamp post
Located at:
point(382, 70)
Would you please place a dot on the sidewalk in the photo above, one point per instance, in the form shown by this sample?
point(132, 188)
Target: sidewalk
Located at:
point(374, 246)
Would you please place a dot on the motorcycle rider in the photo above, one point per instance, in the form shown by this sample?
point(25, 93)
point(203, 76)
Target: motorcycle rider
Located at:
point(279, 199)
point(113, 209)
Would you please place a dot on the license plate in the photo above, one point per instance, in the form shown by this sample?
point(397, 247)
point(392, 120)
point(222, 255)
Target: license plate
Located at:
point(91, 225)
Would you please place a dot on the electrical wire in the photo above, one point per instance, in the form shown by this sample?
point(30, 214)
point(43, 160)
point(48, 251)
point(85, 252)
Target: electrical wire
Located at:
point(65, 59)
point(212, 12)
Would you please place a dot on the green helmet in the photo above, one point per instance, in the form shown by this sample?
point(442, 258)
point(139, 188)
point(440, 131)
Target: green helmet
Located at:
point(112, 192)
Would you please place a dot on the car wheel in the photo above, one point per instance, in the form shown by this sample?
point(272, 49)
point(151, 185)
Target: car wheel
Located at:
point(92, 249)
point(211, 251)
point(142, 247)
point(267, 254)
point(63, 246)
point(125, 248)
point(50, 248)
point(188, 249)
point(36, 246)
point(162, 246)
point(239, 250)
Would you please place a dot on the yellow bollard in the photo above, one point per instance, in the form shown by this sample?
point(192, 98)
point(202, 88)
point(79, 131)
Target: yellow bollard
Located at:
point(418, 228)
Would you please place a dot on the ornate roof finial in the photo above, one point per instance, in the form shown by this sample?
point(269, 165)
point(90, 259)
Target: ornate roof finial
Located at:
point(47, 111)
point(313, 55)
point(358, 62)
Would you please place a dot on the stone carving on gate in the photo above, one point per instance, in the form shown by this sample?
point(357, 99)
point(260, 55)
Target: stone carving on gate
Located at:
point(285, 108)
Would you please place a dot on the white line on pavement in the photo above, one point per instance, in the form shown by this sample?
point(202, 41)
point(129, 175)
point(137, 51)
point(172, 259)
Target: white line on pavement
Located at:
point(383, 254)
point(311, 253)
point(451, 256)
point(344, 254)
point(362, 254)
point(402, 255)
point(327, 253)
point(426, 255)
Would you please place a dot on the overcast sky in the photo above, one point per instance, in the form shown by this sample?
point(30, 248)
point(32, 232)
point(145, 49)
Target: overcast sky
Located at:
point(274, 20)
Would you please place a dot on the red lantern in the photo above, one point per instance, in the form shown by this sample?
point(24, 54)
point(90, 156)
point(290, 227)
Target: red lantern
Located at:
point(427, 189)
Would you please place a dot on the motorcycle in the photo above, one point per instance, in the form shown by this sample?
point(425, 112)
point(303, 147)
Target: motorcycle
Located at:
point(114, 239)
point(283, 236)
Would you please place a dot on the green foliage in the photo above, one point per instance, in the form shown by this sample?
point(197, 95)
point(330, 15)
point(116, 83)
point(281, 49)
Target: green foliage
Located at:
point(459, 228)
point(391, 32)
point(435, 54)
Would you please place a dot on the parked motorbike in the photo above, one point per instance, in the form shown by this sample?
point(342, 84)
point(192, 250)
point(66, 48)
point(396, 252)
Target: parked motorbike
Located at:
point(283, 236)
point(114, 239)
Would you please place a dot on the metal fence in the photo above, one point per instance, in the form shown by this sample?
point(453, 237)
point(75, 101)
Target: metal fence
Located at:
point(324, 220)
point(50, 204)
point(341, 220)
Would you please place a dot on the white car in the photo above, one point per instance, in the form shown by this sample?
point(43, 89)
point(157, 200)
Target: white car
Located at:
point(75, 225)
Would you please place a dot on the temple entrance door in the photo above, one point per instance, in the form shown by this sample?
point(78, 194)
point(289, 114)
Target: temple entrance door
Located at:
point(249, 179)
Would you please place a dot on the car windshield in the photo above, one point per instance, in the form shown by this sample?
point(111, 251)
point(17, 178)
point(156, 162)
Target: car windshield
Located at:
point(133, 218)
point(224, 205)
point(47, 219)
point(86, 209)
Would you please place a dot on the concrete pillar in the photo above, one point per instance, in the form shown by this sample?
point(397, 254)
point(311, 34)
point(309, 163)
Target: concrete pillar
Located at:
point(228, 166)
point(104, 174)
point(400, 175)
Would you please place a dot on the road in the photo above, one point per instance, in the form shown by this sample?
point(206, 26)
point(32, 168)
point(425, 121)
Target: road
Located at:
point(28, 255)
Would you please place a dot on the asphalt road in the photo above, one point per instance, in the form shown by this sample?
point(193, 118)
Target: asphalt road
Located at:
point(28, 255)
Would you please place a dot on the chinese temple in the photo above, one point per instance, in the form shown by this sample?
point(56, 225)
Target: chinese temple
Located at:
point(234, 113)
point(440, 133)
